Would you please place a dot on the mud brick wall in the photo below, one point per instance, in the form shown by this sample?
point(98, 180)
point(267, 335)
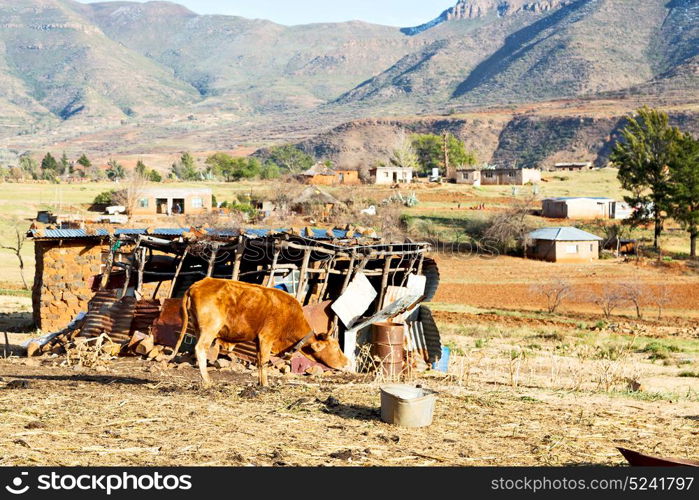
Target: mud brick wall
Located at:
point(62, 283)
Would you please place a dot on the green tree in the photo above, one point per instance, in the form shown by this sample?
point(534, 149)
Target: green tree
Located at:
point(290, 158)
point(458, 155)
point(684, 188)
point(29, 166)
point(429, 151)
point(154, 176)
point(269, 170)
point(84, 161)
point(220, 165)
point(185, 169)
point(643, 153)
point(49, 163)
point(115, 171)
point(141, 169)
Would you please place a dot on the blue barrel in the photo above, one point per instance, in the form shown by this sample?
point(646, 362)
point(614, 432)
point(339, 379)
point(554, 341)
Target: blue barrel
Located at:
point(443, 364)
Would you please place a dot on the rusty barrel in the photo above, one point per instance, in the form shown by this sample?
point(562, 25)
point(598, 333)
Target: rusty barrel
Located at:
point(387, 345)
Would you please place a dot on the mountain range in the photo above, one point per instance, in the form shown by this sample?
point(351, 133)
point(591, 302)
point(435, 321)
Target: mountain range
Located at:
point(91, 75)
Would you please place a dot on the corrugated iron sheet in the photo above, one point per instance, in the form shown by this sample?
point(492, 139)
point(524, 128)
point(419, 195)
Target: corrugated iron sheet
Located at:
point(145, 314)
point(108, 315)
point(433, 341)
point(62, 234)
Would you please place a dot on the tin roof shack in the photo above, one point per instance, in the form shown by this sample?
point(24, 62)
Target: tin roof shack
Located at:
point(563, 244)
point(143, 271)
point(499, 176)
point(573, 166)
point(322, 175)
point(173, 201)
point(585, 208)
point(392, 175)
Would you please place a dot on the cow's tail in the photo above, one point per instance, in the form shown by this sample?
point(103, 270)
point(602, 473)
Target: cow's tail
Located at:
point(184, 314)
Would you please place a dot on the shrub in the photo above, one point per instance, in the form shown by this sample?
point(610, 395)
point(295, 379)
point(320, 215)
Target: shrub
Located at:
point(104, 198)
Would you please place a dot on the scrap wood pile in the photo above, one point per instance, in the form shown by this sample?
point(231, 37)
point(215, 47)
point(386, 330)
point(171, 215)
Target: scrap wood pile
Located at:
point(345, 279)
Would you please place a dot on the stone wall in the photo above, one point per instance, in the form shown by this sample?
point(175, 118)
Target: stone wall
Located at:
point(63, 280)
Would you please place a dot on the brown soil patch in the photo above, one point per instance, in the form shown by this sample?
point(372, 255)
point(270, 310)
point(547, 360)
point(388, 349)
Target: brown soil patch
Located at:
point(139, 413)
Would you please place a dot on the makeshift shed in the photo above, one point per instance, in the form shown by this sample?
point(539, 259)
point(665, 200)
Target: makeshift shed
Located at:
point(563, 244)
point(140, 275)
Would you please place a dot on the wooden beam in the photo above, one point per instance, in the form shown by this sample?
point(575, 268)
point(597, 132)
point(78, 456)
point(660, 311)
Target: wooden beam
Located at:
point(273, 267)
point(302, 276)
point(384, 283)
point(239, 250)
point(177, 272)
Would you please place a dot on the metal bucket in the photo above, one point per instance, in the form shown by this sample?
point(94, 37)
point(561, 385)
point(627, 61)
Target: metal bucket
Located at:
point(407, 406)
point(387, 345)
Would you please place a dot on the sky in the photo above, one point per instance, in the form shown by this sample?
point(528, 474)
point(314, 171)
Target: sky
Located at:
point(402, 13)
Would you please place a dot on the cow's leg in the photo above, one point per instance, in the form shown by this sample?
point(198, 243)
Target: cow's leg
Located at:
point(202, 350)
point(264, 352)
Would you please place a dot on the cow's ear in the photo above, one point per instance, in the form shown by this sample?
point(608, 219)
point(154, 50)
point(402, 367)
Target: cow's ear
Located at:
point(322, 336)
point(318, 346)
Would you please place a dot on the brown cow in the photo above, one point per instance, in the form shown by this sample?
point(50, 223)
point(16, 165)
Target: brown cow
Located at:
point(241, 312)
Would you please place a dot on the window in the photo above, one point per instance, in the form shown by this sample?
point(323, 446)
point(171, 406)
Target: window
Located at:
point(197, 203)
point(592, 247)
point(572, 249)
point(143, 203)
point(511, 174)
point(489, 175)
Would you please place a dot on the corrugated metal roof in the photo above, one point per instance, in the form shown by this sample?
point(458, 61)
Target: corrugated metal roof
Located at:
point(61, 234)
point(571, 198)
point(562, 234)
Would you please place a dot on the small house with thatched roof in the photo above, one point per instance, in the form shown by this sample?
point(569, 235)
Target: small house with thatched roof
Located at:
point(313, 200)
point(322, 175)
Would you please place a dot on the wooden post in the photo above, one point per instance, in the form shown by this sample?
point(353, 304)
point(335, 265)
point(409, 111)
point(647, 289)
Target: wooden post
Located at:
point(302, 276)
point(348, 276)
point(212, 259)
point(239, 250)
point(275, 259)
point(324, 286)
point(384, 282)
point(141, 266)
point(127, 280)
point(422, 262)
point(108, 266)
point(177, 272)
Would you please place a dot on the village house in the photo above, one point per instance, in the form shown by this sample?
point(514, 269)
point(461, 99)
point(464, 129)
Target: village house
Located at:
point(322, 175)
point(392, 175)
point(498, 176)
point(585, 208)
point(573, 166)
point(173, 201)
point(563, 244)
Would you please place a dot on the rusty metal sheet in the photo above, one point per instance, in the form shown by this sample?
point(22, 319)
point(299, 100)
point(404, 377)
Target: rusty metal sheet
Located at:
point(168, 325)
point(433, 341)
point(319, 316)
point(145, 314)
point(108, 315)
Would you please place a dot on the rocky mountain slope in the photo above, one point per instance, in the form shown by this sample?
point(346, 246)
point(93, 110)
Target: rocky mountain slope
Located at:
point(68, 69)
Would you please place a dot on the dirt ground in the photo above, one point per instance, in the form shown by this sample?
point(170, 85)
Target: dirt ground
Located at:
point(139, 413)
point(524, 388)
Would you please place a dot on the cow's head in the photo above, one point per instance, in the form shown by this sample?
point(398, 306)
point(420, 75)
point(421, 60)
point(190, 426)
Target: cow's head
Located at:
point(326, 350)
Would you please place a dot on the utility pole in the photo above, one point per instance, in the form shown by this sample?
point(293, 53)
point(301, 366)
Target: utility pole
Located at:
point(445, 147)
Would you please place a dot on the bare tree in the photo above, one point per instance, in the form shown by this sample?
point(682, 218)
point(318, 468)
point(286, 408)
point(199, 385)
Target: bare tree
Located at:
point(637, 294)
point(130, 196)
point(609, 299)
point(555, 293)
point(660, 298)
point(16, 248)
point(509, 230)
point(403, 154)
